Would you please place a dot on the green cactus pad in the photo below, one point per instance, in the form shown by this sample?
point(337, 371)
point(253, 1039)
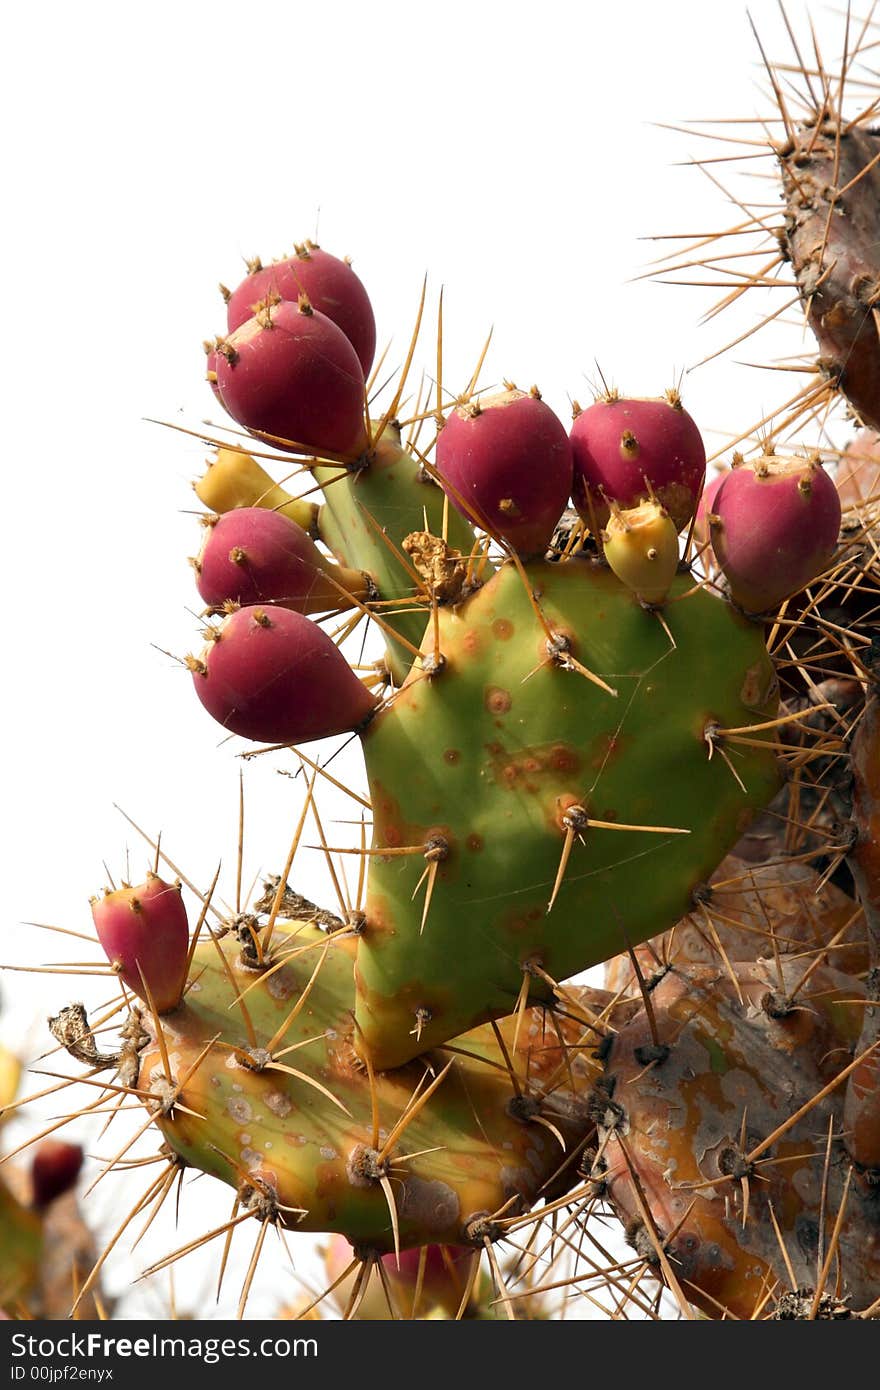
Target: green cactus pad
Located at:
point(300, 1157)
point(21, 1249)
point(481, 763)
point(391, 497)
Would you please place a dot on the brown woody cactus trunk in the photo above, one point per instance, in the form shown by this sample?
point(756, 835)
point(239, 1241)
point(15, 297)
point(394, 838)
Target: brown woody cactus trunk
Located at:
point(832, 190)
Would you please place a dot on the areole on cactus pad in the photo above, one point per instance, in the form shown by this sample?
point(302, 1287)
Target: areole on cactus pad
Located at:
point(432, 1279)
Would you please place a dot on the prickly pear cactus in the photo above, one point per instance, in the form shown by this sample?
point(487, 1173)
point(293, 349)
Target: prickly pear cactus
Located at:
point(640, 730)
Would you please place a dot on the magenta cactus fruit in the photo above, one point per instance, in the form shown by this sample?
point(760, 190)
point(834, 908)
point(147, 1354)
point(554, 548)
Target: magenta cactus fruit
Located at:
point(55, 1167)
point(641, 546)
point(627, 450)
point(212, 353)
point(705, 507)
point(445, 1273)
point(440, 1273)
point(857, 477)
point(145, 936)
point(505, 463)
point(704, 553)
point(774, 528)
point(274, 676)
point(251, 555)
point(289, 375)
point(330, 285)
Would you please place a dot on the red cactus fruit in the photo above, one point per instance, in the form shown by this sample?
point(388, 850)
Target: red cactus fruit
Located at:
point(706, 504)
point(290, 375)
point(251, 555)
point(506, 463)
point(858, 474)
point(212, 354)
point(701, 523)
point(445, 1277)
point(641, 546)
point(330, 285)
point(273, 676)
point(145, 937)
point(774, 528)
point(702, 538)
point(55, 1168)
point(628, 449)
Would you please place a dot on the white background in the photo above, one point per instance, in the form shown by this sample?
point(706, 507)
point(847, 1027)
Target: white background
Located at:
point(506, 149)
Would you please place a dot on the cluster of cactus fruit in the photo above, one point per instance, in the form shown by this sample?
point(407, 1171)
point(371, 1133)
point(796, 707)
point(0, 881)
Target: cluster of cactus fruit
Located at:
point(624, 715)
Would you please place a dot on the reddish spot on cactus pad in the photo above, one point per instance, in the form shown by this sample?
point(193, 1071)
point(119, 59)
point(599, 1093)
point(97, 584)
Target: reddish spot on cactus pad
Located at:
point(516, 920)
point(564, 759)
point(498, 701)
point(607, 746)
point(541, 762)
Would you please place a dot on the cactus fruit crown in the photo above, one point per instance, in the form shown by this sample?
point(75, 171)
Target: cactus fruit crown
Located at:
point(641, 730)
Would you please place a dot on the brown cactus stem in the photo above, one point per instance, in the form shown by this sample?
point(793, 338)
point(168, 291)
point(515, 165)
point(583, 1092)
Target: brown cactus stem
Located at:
point(862, 1100)
point(831, 178)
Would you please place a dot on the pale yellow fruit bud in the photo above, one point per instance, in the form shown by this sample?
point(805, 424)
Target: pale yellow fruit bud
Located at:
point(235, 479)
point(641, 546)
